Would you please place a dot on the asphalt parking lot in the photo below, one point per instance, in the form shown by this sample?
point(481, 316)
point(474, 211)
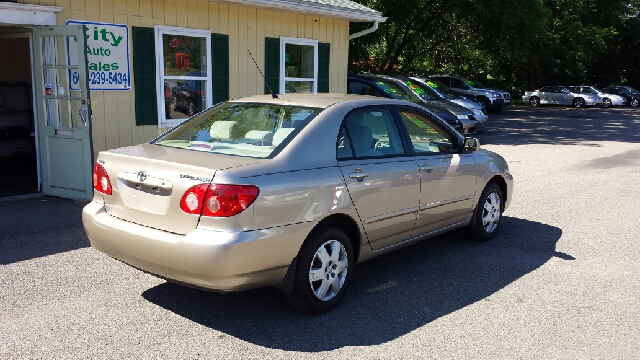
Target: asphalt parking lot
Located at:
point(561, 280)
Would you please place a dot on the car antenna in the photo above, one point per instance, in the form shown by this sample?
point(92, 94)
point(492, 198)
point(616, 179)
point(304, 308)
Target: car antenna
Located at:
point(273, 95)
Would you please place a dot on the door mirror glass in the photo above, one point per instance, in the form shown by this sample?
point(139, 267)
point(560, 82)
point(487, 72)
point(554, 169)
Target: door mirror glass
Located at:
point(471, 144)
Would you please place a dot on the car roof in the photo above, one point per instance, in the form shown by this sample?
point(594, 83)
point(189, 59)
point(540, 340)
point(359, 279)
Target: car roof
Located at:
point(322, 100)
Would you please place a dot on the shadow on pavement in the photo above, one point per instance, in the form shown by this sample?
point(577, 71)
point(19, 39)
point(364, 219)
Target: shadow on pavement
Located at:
point(561, 126)
point(390, 296)
point(41, 226)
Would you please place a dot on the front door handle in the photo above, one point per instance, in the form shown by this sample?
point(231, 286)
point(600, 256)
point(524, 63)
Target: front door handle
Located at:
point(427, 167)
point(358, 175)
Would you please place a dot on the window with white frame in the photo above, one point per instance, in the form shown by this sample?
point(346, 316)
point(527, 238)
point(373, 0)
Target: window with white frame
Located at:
point(183, 69)
point(298, 65)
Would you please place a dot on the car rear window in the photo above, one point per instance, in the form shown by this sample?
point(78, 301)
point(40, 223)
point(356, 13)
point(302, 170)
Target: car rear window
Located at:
point(240, 129)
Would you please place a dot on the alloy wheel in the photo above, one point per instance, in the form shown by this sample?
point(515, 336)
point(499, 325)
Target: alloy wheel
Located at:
point(491, 212)
point(328, 270)
point(606, 103)
point(634, 102)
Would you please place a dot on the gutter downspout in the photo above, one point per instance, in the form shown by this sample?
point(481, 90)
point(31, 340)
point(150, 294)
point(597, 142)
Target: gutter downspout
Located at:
point(364, 32)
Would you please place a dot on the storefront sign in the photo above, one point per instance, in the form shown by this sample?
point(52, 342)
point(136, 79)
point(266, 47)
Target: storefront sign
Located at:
point(107, 56)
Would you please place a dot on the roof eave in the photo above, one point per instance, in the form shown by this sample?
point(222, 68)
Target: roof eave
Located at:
point(310, 8)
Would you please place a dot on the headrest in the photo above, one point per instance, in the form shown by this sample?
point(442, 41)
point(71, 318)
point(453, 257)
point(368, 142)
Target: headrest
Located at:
point(222, 129)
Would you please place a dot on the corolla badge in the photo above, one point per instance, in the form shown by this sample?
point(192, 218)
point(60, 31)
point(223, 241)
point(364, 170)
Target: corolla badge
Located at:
point(142, 176)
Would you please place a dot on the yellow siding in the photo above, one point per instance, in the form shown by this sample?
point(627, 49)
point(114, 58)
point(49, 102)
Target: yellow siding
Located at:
point(114, 112)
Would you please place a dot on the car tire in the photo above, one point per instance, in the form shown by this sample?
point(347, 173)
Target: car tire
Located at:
point(578, 103)
point(634, 102)
point(191, 109)
point(534, 101)
point(485, 103)
point(324, 271)
point(606, 103)
point(486, 221)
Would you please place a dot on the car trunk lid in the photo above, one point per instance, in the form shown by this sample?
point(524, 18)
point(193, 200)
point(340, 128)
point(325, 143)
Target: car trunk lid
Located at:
point(149, 181)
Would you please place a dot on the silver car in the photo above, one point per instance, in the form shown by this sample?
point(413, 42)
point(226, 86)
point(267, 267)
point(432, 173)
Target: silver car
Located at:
point(292, 192)
point(608, 100)
point(560, 95)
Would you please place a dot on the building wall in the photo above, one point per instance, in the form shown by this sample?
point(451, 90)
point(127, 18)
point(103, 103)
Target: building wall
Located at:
point(114, 112)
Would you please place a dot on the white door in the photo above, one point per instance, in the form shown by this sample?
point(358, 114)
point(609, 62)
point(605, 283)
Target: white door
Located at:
point(63, 114)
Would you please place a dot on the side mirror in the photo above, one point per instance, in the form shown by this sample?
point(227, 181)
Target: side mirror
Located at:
point(470, 144)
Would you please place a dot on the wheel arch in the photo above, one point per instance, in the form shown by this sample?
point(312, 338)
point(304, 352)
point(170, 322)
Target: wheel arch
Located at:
point(502, 184)
point(341, 221)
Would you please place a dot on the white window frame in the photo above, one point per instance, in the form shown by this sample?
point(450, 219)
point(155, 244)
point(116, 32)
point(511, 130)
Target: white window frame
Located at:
point(162, 30)
point(298, 41)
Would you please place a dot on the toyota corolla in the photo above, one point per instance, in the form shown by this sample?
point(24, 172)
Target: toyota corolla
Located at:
point(292, 192)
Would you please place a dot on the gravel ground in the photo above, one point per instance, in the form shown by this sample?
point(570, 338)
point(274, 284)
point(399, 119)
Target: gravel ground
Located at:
point(561, 280)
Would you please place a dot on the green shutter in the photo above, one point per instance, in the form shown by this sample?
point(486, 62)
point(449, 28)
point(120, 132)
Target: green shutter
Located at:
point(144, 75)
point(324, 54)
point(272, 64)
point(220, 67)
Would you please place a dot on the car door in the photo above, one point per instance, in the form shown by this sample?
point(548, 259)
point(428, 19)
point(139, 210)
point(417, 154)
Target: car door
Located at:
point(382, 178)
point(448, 177)
point(565, 97)
point(544, 95)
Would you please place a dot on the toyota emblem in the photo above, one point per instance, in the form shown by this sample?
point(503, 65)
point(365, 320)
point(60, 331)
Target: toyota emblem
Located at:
point(142, 176)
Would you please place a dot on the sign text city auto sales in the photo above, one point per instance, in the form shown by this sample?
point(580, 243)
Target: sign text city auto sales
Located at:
point(107, 56)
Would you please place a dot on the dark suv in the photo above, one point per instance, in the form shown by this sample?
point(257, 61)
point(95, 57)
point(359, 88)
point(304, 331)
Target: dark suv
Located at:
point(366, 84)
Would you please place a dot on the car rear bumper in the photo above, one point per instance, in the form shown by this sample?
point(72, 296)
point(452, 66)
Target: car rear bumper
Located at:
point(223, 261)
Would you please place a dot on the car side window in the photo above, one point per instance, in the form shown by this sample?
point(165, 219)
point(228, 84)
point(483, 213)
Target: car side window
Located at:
point(426, 137)
point(456, 83)
point(343, 146)
point(371, 133)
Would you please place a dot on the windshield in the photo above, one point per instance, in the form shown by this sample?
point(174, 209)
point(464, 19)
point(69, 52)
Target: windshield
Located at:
point(422, 90)
point(589, 90)
point(396, 90)
point(240, 129)
point(474, 83)
point(629, 88)
point(440, 87)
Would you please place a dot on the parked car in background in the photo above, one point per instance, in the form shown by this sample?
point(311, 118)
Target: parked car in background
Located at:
point(169, 100)
point(469, 122)
point(560, 95)
point(608, 100)
point(292, 192)
point(632, 95)
point(478, 109)
point(493, 100)
point(367, 84)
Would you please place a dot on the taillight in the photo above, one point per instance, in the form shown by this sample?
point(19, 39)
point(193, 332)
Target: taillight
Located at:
point(101, 181)
point(218, 200)
point(167, 93)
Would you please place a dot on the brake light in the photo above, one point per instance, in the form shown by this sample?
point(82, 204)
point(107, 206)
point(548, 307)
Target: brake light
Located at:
point(167, 93)
point(218, 200)
point(101, 181)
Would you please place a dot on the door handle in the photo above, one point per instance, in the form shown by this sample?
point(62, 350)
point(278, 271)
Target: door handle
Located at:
point(427, 167)
point(82, 112)
point(358, 175)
